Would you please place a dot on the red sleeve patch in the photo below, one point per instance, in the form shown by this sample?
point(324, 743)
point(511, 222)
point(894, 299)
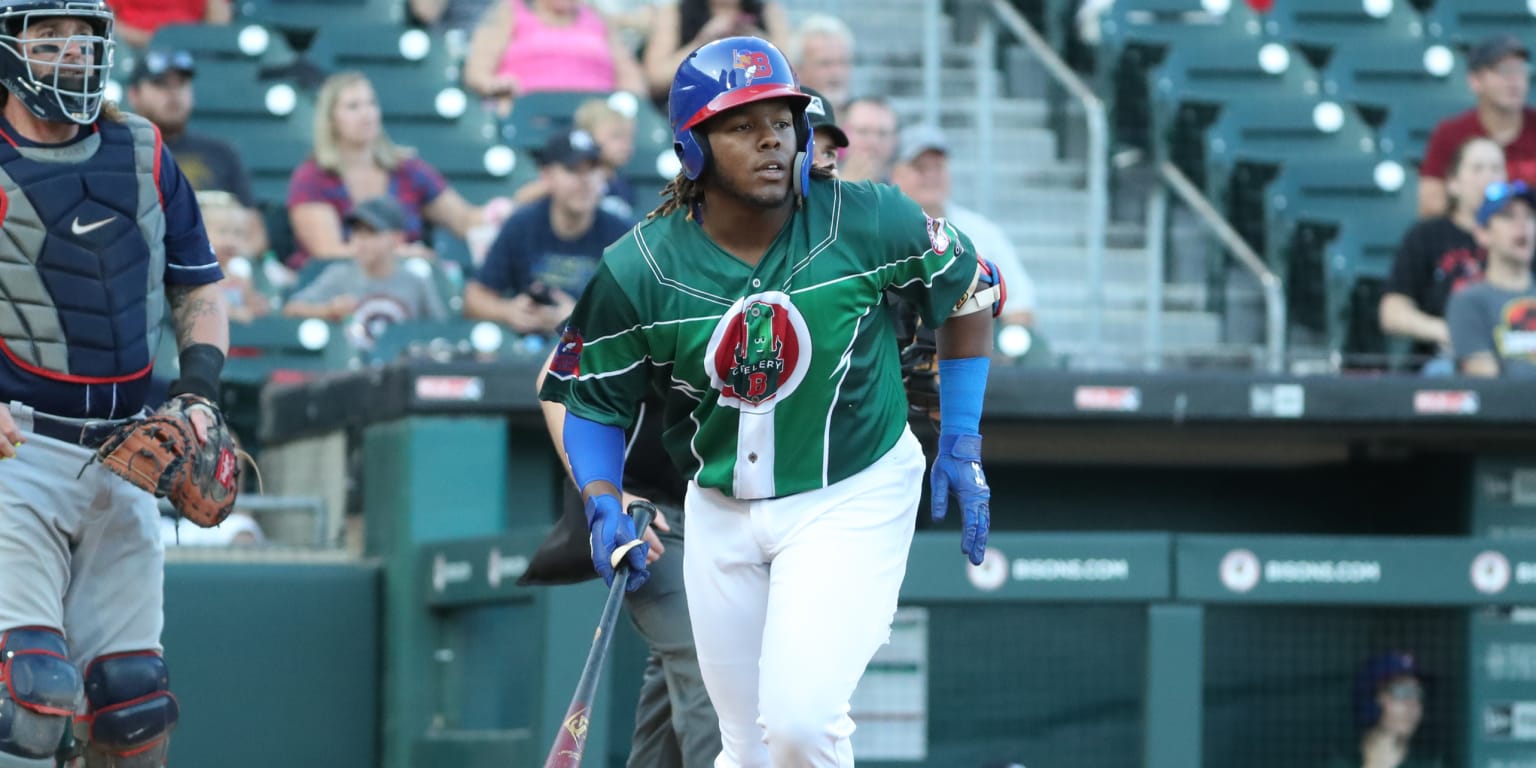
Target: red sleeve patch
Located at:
point(567, 361)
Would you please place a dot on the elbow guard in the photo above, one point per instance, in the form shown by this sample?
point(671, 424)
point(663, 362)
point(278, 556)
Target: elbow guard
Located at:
point(987, 292)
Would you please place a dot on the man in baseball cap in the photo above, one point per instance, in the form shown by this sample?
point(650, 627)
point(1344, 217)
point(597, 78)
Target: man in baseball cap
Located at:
point(830, 139)
point(160, 89)
point(1498, 74)
point(922, 173)
point(548, 250)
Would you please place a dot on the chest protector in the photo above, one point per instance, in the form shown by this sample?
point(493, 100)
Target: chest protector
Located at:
point(82, 263)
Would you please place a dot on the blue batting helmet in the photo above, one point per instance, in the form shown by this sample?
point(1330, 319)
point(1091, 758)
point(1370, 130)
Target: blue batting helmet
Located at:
point(65, 91)
point(729, 73)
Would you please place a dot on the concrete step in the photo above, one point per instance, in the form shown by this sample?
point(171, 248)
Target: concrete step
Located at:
point(897, 81)
point(1118, 294)
point(960, 111)
point(1128, 327)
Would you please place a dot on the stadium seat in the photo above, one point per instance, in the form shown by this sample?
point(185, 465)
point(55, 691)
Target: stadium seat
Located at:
point(1380, 76)
point(1198, 79)
point(226, 42)
point(1321, 27)
point(1405, 132)
point(653, 139)
point(1306, 187)
point(386, 53)
point(1468, 21)
point(535, 116)
point(271, 343)
point(1136, 35)
point(309, 15)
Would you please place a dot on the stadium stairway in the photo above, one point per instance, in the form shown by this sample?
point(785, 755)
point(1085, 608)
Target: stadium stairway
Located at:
point(1039, 190)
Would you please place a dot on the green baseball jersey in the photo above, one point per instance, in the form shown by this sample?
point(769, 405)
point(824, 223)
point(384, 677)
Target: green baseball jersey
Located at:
point(777, 378)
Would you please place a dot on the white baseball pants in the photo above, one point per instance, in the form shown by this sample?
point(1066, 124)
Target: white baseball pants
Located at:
point(790, 598)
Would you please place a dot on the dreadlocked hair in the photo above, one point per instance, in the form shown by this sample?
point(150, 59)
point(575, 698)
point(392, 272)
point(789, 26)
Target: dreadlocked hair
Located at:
point(682, 191)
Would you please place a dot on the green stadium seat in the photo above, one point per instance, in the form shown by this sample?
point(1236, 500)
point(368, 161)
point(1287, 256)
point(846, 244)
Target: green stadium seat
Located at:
point(309, 15)
point(1137, 34)
point(535, 116)
point(1305, 186)
point(386, 53)
point(1320, 27)
point(210, 42)
point(1195, 81)
point(271, 343)
point(1468, 21)
point(1380, 76)
point(1405, 132)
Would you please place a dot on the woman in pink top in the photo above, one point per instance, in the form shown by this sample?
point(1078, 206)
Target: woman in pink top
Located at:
point(527, 46)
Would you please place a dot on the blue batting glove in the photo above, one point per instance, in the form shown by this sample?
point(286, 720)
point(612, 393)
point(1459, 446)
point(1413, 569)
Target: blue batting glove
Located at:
point(611, 527)
point(957, 470)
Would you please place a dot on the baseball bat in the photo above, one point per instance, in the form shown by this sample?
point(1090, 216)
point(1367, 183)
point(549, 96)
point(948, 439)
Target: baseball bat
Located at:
point(571, 739)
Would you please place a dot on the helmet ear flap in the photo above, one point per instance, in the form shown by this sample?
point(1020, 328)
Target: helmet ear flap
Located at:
point(805, 151)
point(692, 152)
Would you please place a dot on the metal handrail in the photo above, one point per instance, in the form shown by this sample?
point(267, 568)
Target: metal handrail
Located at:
point(1274, 297)
point(1098, 156)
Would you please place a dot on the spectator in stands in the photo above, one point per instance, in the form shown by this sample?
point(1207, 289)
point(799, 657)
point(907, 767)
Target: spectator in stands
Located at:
point(1493, 323)
point(446, 15)
point(160, 89)
point(632, 19)
point(1440, 255)
point(370, 287)
point(679, 28)
point(355, 160)
point(830, 139)
point(1498, 72)
point(229, 227)
point(922, 173)
point(137, 20)
point(614, 133)
point(871, 125)
point(821, 52)
point(1388, 700)
point(530, 46)
point(548, 251)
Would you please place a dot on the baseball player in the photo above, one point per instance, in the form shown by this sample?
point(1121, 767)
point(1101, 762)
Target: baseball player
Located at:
point(751, 303)
point(102, 233)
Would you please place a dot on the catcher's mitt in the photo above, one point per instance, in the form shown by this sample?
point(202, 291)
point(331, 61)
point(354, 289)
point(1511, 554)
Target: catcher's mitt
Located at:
point(161, 455)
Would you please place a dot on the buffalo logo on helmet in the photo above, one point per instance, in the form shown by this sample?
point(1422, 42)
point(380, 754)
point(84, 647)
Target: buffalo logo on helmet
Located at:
point(751, 65)
point(759, 351)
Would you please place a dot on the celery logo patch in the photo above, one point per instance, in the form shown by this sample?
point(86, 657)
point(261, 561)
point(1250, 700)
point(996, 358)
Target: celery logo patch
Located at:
point(759, 352)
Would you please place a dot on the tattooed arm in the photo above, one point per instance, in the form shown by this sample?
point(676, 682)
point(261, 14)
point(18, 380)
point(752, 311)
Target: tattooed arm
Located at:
point(200, 314)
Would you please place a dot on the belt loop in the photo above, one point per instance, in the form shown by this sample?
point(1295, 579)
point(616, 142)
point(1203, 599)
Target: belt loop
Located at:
point(21, 413)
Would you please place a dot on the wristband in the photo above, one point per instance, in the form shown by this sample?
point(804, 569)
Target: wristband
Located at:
point(962, 385)
point(201, 365)
point(596, 451)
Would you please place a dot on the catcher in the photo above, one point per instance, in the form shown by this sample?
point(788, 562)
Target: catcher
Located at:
point(103, 234)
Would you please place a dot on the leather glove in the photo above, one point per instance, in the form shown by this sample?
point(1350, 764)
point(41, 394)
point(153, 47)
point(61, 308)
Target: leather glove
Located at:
point(611, 528)
point(957, 470)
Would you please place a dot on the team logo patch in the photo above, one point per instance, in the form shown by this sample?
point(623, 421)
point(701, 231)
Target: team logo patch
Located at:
point(938, 235)
point(225, 472)
point(759, 352)
point(373, 316)
point(751, 65)
point(567, 360)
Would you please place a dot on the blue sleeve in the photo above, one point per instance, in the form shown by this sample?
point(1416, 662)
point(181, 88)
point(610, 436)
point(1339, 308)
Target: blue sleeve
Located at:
point(596, 451)
point(505, 270)
point(189, 258)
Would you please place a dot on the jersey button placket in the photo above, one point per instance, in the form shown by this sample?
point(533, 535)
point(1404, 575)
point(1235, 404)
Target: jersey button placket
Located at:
point(756, 283)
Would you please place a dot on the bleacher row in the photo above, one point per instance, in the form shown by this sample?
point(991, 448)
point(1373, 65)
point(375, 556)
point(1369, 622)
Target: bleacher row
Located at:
point(1305, 126)
point(257, 80)
point(256, 84)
